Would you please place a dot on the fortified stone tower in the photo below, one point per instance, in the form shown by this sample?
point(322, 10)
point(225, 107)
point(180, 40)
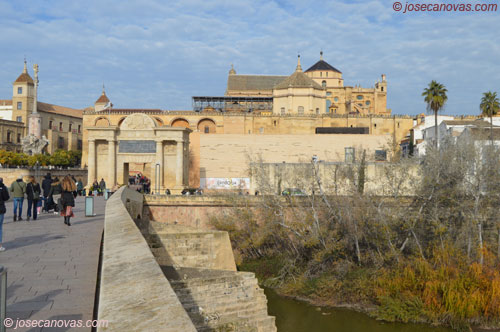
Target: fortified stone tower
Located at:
point(23, 97)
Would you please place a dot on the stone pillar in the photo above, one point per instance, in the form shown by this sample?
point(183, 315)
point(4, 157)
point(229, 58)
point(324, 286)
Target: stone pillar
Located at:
point(91, 162)
point(112, 163)
point(179, 170)
point(159, 161)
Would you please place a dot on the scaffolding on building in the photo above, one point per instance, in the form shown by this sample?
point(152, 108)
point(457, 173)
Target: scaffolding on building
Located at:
point(233, 104)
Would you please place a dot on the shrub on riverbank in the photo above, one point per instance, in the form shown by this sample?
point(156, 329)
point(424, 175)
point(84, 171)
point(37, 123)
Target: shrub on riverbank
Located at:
point(62, 158)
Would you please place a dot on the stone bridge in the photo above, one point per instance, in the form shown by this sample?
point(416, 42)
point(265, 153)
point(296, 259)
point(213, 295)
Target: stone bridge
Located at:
point(160, 276)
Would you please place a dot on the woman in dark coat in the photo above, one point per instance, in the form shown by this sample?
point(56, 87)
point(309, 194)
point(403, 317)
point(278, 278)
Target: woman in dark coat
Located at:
point(33, 192)
point(68, 199)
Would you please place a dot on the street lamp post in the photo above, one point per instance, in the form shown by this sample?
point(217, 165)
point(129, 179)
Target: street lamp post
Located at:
point(157, 179)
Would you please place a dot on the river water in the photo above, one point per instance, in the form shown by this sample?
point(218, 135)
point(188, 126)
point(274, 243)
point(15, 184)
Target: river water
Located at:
point(296, 316)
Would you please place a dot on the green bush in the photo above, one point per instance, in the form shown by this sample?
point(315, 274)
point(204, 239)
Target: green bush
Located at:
point(58, 158)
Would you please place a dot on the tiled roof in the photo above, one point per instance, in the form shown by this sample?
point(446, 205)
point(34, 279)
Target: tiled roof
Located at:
point(323, 65)
point(24, 78)
point(484, 133)
point(298, 80)
point(55, 109)
point(253, 82)
point(6, 102)
point(103, 99)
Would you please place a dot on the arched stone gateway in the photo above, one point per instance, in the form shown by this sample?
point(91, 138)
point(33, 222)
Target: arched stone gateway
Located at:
point(139, 144)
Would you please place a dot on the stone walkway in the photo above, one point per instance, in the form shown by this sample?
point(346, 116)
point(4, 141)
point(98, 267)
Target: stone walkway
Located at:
point(52, 268)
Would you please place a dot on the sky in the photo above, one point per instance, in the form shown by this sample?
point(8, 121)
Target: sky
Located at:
point(158, 54)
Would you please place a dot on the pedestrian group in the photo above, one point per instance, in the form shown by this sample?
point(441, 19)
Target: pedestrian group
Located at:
point(54, 194)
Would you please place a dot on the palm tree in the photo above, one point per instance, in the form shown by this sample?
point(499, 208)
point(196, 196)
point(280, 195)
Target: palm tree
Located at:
point(435, 97)
point(489, 106)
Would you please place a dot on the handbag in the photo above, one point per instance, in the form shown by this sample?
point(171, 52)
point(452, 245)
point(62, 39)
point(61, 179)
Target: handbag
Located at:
point(36, 194)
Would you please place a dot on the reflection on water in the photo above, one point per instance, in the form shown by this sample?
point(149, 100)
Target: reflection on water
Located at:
point(296, 316)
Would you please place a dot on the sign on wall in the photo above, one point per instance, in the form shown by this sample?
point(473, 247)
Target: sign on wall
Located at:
point(136, 146)
point(225, 183)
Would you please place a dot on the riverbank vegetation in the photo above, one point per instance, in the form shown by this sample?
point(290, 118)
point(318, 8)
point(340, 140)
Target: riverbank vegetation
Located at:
point(431, 257)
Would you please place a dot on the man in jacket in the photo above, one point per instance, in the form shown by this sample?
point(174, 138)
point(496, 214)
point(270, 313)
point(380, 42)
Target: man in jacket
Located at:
point(46, 189)
point(18, 189)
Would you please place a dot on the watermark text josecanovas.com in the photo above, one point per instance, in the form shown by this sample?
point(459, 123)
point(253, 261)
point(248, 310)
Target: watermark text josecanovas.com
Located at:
point(444, 7)
point(66, 323)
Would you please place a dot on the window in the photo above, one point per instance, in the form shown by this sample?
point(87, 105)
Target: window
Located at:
point(207, 130)
point(19, 90)
point(19, 105)
point(382, 89)
point(326, 74)
point(301, 109)
point(60, 126)
point(398, 124)
point(336, 99)
point(9, 137)
point(374, 125)
point(79, 128)
point(320, 74)
point(380, 155)
point(349, 155)
point(79, 144)
point(317, 110)
point(323, 84)
point(19, 118)
point(328, 104)
point(282, 111)
point(274, 122)
point(261, 130)
point(50, 125)
point(18, 138)
point(69, 128)
point(60, 143)
point(359, 97)
point(328, 93)
point(367, 103)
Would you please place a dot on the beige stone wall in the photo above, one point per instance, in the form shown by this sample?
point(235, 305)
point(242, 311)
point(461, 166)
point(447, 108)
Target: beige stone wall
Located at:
point(224, 156)
point(69, 137)
point(10, 175)
point(311, 100)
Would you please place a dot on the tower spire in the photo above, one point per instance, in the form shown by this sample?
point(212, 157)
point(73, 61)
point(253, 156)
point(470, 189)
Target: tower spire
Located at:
point(232, 71)
point(321, 55)
point(103, 90)
point(25, 70)
point(299, 67)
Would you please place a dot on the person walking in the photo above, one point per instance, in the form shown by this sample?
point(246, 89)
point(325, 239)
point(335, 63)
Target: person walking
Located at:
point(79, 187)
point(55, 194)
point(102, 187)
point(47, 181)
point(4, 197)
point(18, 189)
point(33, 193)
point(68, 199)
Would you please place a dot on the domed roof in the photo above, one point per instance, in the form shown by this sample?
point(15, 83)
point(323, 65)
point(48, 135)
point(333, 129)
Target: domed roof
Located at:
point(103, 99)
point(298, 80)
point(24, 77)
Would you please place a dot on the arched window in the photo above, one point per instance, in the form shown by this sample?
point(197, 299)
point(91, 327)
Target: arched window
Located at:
point(301, 109)
point(180, 123)
point(323, 84)
point(206, 126)
point(282, 111)
point(317, 110)
point(328, 104)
